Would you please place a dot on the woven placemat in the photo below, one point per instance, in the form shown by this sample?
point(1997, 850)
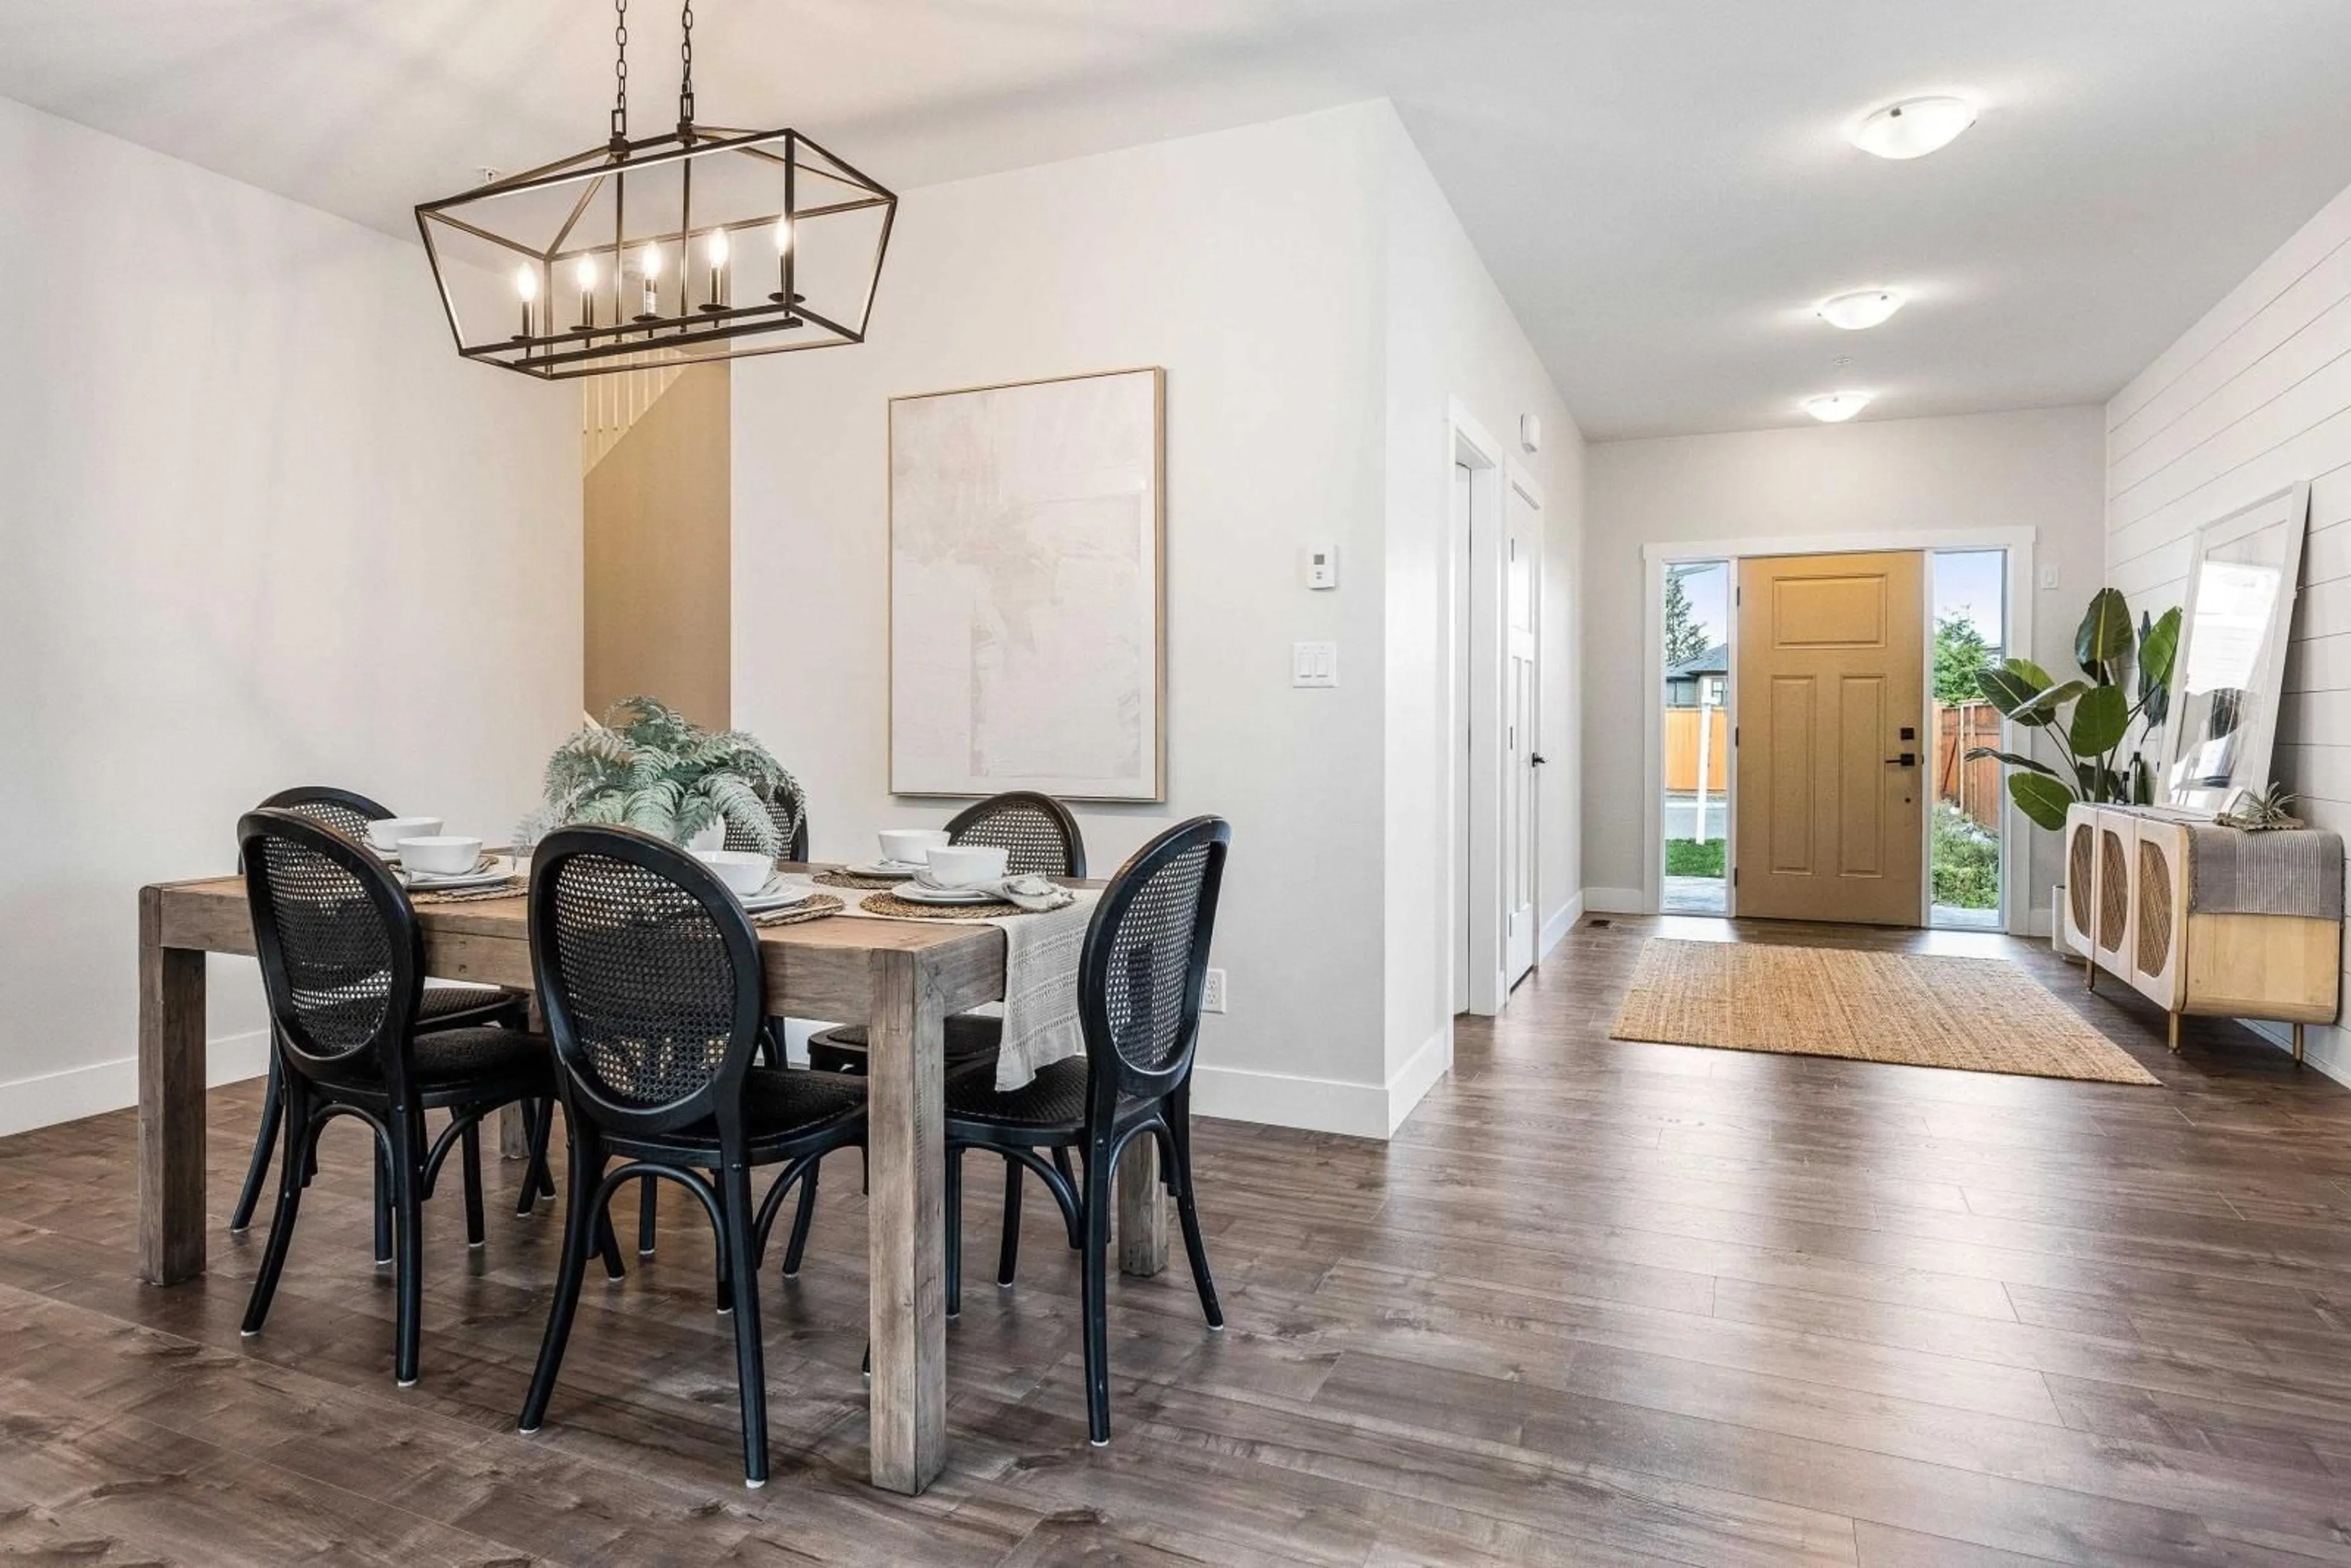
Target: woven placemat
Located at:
point(856, 883)
point(509, 888)
point(898, 908)
point(817, 906)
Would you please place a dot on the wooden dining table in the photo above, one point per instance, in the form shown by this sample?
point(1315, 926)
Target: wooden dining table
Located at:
point(902, 977)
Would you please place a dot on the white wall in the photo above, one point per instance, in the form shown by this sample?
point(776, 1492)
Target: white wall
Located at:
point(1250, 264)
point(2036, 468)
point(2255, 396)
point(261, 528)
point(1453, 341)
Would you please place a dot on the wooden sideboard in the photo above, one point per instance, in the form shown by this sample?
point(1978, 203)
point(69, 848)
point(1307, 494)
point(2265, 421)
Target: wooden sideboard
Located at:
point(2132, 908)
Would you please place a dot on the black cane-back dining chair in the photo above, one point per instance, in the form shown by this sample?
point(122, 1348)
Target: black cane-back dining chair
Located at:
point(650, 974)
point(443, 1007)
point(788, 809)
point(342, 961)
point(1040, 837)
point(1139, 982)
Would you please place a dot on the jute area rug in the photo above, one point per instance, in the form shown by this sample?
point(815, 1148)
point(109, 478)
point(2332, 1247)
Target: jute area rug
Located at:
point(1980, 1015)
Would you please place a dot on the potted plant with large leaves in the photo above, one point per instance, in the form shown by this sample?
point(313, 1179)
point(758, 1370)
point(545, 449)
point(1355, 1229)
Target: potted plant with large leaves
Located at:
point(648, 766)
point(2123, 694)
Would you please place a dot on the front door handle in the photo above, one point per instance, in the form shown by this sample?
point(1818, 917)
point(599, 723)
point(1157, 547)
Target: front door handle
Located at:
point(1907, 759)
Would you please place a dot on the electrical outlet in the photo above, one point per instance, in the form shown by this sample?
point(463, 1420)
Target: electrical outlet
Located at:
point(1212, 993)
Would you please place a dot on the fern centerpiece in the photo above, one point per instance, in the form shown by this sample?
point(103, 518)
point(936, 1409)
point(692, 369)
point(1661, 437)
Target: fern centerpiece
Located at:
point(648, 766)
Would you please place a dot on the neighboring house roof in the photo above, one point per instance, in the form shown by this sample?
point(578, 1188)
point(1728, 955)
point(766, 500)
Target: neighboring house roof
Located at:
point(1715, 661)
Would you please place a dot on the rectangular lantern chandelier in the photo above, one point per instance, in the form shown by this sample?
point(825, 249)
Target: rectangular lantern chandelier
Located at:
point(699, 244)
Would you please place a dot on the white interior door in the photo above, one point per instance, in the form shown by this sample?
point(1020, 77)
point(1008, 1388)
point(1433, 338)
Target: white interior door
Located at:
point(1521, 705)
point(1463, 499)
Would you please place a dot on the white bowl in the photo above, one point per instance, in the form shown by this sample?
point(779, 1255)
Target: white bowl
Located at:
point(908, 846)
point(432, 855)
point(386, 835)
point(744, 872)
point(967, 865)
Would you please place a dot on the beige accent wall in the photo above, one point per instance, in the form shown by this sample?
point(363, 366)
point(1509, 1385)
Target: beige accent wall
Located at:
point(658, 507)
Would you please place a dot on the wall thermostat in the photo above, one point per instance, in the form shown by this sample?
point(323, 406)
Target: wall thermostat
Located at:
point(1531, 432)
point(1322, 566)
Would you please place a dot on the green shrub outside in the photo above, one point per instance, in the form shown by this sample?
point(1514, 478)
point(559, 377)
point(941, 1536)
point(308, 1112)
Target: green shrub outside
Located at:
point(1966, 861)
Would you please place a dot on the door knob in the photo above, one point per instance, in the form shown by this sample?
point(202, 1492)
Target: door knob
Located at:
point(1536, 760)
point(1907, 759)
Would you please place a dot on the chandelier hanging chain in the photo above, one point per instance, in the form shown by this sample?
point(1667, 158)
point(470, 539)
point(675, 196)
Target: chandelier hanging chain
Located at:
point(619, 73)
point(686, 77)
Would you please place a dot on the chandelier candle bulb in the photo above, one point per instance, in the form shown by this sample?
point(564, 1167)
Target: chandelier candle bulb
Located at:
point(584, 271)
point(649, 262)
point(717, 250)
point(526, 288)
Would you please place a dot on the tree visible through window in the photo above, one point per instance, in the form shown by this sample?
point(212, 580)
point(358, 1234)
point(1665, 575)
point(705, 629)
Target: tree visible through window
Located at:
point(1684, 638)
point(1960, 652)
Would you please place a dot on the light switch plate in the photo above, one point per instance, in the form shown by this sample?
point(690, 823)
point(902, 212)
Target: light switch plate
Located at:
point(1314, 664)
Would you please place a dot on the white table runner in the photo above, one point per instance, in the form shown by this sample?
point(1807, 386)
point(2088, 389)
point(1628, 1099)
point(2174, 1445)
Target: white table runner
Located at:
point(1041, 979)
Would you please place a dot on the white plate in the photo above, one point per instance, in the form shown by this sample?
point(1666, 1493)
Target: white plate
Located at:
point(883, 868)
point(459, 883)
point(915, 893)
point(768, 900)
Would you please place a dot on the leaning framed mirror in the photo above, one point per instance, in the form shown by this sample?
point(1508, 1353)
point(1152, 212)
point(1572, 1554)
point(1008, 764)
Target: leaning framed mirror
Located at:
point(2230, 673)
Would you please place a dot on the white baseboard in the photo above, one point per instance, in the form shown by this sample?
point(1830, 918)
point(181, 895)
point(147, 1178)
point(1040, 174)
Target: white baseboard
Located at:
point(1323, 1105)
point(1615, 901)
point(1418, 1076)
point(78, 1092)
point(1556, 928)
point(1287, 1100)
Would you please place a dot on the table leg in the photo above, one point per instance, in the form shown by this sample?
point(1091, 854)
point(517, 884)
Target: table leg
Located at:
point(514, 1137)
point(1142, 1210)
point(905, 1226)
point(171, 1102)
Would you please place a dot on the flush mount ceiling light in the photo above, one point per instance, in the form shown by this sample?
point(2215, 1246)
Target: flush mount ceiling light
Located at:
point(1913, 128)
point(1865, 307)
point(1835, 408)
point(702, 243)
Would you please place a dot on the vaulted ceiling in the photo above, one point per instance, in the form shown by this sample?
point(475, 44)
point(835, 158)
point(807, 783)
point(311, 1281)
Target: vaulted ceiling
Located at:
point(1661, 187)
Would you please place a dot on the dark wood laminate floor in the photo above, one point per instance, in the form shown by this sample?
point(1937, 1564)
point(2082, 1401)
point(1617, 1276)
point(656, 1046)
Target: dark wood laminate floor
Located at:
point(1597, 1303)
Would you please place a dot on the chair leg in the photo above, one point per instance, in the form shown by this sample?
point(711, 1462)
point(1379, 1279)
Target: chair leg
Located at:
point(738, 1216)
point(1096, 1294)
point(803, 1215)
point(383, 1205)
point(1062, 1164)
point(1178, 1150)
point(470, 1151)
point(299, 1134)
point(408, 1236)
point(581, 1222)
point(1007, 1259)
point(718, 1190)
point(954, 1207)
point(648, 1203)
point(540, 1116)
point(265, 1138)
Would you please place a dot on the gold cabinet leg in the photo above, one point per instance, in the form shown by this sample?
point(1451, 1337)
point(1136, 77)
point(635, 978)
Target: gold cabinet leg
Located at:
point(2175, 1034)
point(2090, 972)
point(2297, 1044)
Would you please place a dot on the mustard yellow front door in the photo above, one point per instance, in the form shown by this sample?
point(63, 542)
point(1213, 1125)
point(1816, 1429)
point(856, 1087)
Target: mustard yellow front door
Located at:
point(1831, 677)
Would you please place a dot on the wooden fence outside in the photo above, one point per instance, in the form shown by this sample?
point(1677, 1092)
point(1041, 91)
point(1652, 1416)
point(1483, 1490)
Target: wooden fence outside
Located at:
point(1974, 786)
point(1681, 750)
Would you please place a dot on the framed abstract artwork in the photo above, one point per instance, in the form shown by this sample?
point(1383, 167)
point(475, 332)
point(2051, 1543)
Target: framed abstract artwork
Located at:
point(1028, 646)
